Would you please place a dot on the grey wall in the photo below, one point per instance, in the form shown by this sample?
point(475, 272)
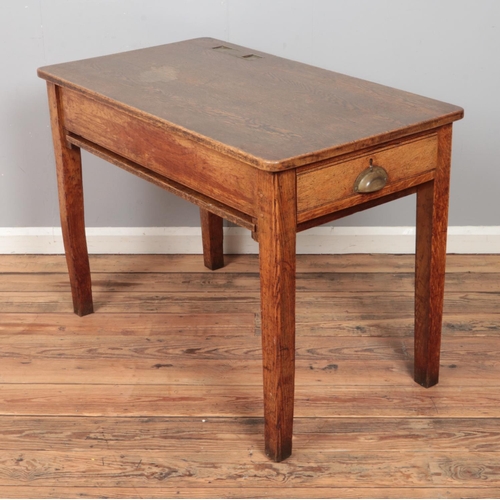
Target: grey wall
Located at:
point(445, 49)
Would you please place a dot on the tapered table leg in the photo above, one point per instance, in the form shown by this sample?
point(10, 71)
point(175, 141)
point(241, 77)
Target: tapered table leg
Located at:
point(432, 225)
point(69, 183)
point(277, 235)
point(213, 239)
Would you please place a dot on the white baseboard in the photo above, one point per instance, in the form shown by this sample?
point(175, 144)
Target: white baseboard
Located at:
point(187, 240)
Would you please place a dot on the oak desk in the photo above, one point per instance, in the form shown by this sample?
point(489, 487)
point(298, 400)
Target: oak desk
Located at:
point(270, 144)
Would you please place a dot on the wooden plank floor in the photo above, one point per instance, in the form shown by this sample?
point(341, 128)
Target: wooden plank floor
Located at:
point(159, 394)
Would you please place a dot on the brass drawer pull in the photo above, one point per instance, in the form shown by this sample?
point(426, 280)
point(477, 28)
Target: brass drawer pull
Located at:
point(372, 179)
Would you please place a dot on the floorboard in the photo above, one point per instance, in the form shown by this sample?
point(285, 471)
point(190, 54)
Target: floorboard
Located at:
point(159, 394)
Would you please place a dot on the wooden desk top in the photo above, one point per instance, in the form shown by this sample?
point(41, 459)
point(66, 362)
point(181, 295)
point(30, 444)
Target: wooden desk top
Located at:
point(271, 112)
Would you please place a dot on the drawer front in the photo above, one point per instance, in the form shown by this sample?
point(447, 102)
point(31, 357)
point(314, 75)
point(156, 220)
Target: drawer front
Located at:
point(329, 188)
point(180, 159)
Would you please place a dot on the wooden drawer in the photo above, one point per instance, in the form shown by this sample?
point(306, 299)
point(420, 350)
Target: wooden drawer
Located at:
point(330, 187)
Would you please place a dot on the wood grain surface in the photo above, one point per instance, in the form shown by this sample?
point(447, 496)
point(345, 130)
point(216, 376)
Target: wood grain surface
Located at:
point(277, 254)
point(71, 210)
point(265, 110)
point(134, 403)
point(146, 144)
point(213, 239)
point(329, 187)
point(430, 264)
point(248, 263)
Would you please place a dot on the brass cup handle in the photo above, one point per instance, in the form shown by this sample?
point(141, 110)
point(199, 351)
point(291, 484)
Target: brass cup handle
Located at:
point(372, 179)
